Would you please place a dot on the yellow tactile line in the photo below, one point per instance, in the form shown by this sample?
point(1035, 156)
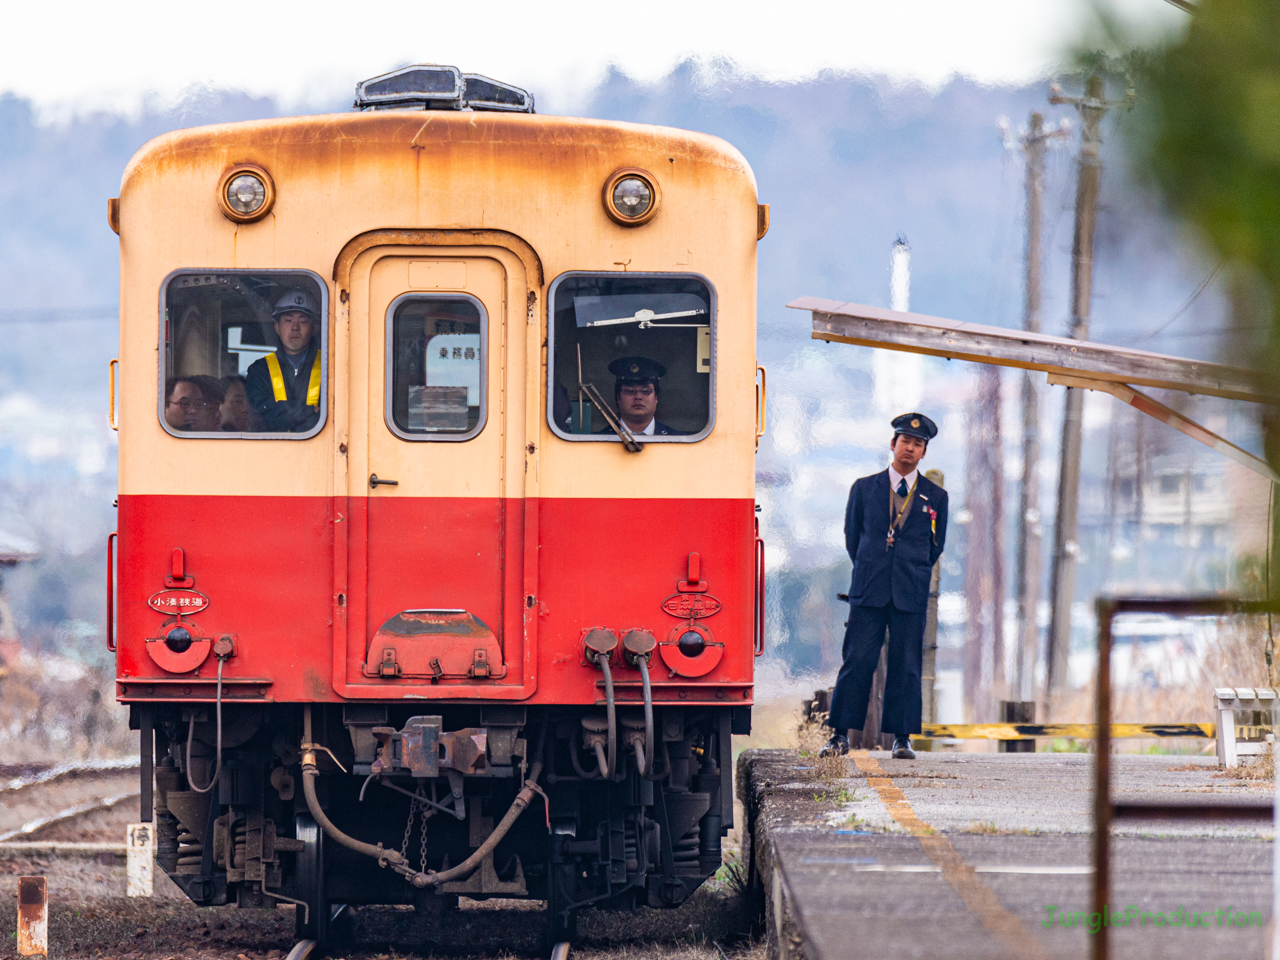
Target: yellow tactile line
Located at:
point(977, 896)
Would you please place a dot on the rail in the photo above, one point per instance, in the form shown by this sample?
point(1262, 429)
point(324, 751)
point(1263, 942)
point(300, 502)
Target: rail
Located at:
point(759, 612)
point(762, 402)
point(1104, 809)
point(112, 420)
point(111, 590)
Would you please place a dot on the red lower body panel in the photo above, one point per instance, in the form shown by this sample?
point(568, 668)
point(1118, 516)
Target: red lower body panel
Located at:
point(301, 602)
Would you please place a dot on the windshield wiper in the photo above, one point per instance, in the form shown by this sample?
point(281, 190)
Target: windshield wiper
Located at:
point(646, 317)
point(628, 438)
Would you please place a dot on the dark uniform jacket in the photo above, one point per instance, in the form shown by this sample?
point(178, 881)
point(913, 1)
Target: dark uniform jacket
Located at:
point(293, 414)
point(660, 429)
point(898, 574)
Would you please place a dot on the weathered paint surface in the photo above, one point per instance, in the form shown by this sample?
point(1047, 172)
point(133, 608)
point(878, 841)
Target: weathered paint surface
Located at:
point(140, 860)
point(265, 565)
point(539, 537)
point(33, 917)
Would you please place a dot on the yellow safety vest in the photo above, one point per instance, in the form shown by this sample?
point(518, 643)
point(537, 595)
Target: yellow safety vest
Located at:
point(277, 380)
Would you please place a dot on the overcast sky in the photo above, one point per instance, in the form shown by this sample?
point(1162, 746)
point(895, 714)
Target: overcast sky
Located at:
point(79, 56)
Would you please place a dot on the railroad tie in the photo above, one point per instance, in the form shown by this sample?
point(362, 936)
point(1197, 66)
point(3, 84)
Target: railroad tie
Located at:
point(977, 896)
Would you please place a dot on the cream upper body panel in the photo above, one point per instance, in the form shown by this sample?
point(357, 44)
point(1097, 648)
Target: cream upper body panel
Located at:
point(538, 179)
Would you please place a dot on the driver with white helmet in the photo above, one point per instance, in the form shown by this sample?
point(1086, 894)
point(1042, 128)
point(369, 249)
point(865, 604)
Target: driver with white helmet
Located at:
point(284, 387)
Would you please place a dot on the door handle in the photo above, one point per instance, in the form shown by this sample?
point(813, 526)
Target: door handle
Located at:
point(374, 482)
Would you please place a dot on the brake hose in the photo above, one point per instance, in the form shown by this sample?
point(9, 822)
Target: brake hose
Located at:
point(647, 767)
point(610, 716)
point(191, 729)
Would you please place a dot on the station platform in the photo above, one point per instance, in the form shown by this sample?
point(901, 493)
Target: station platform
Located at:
point(964, 855)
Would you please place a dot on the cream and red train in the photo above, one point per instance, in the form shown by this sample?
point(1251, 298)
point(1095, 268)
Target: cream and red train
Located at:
point(363, 646)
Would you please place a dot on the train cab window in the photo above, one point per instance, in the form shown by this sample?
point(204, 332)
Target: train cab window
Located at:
point(244, 354)
point(637, 345)
point(436, 367)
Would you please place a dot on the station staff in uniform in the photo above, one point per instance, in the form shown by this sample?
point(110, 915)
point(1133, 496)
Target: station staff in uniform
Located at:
point(635, 391)
point(895, 527)
point(284, 387)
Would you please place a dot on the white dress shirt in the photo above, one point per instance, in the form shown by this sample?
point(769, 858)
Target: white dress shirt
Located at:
point(895, 477)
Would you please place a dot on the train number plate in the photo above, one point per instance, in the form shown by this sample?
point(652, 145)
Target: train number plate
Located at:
point(178, 601)
point(691, 606)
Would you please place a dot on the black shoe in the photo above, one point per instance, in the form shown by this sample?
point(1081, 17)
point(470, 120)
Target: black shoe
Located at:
point(837, 746)
point(902, 748)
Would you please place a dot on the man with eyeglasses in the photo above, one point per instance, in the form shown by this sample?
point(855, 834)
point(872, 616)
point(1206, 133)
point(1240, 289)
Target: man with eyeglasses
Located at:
point(284, 387)
point(635, 391)
point(184, 404)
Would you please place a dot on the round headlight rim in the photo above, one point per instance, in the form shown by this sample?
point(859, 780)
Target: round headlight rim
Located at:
point(649, 181)
point(269, 191)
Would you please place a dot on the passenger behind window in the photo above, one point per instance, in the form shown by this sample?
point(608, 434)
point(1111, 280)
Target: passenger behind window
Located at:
point(184, 404)
point(235, 414)
point(210, 419)
point(284, 387)
point(635, 393)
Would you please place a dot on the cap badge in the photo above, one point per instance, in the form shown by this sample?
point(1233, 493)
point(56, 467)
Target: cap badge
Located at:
point(635, 368)
point(915, 423)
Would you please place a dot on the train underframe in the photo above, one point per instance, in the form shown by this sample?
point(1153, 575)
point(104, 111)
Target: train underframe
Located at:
point(384, 803)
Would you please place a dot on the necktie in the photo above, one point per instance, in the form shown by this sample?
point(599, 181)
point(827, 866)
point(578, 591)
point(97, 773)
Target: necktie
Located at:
point(902, 487)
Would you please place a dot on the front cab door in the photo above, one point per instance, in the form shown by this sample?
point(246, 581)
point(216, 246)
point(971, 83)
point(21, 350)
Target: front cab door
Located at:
point(435, 476)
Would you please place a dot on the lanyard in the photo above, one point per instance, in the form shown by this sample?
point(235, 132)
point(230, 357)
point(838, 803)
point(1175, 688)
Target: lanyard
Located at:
point(896, 522)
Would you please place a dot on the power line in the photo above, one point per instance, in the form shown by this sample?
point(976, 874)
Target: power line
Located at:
point(59, 314)
point(1183, 309)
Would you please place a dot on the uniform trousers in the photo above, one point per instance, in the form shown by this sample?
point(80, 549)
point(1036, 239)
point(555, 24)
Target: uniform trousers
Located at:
point(862, 639)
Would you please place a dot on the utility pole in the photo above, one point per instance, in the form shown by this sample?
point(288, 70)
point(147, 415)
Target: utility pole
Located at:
point(1092, 107)
point(984, 549)
point(1033, 145)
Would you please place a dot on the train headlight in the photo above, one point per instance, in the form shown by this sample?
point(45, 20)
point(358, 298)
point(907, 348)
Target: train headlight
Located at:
point(631, 197)
point(246, 193)
point(178, 639)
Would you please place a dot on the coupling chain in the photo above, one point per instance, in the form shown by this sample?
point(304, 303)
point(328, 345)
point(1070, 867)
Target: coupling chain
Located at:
point(408, 829)
point(422, 862)
point(417, 805)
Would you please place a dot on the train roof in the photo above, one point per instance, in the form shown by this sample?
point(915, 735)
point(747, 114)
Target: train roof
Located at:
point(338, 137)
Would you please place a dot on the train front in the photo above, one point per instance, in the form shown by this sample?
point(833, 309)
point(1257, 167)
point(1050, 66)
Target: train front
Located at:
point(437, 429)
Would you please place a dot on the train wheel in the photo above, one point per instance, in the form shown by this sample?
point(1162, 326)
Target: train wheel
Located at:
point(313, 923)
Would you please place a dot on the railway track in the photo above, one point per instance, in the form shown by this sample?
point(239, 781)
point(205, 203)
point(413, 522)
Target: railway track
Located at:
point(62, 821)
point(62, 805)
point(63, 771)
point(64, 816)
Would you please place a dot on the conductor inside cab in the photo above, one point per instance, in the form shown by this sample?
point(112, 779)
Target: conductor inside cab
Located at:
point(649, 337)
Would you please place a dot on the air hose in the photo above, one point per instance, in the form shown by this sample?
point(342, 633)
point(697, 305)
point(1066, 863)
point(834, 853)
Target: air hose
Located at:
point(191, 730)
point(611, 711)
point(646, 760)
point(393, 858)
point(638, 647)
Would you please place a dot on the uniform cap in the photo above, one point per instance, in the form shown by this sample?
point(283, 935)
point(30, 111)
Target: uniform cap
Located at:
point(637, 370)
point(296, 299)
point(915, 425)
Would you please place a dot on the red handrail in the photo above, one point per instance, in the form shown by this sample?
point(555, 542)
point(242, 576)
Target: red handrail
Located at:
point(759, 612)
point(111, 593)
